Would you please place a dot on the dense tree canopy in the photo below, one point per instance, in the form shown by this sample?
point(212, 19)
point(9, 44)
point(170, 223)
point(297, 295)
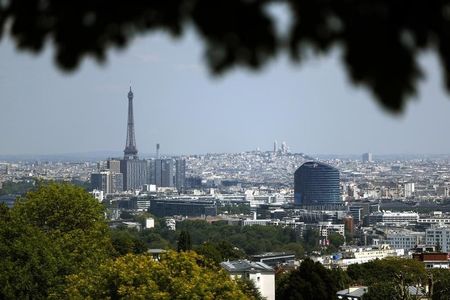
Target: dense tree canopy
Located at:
point(54, 231)
point(127, 241)
point(380, 39)
point(29, 265)
point(177, 275)
point(184, 241)
point(72, 218)
point(250, 239)
point(218, 252)
point(311, 281)
point(412, 272)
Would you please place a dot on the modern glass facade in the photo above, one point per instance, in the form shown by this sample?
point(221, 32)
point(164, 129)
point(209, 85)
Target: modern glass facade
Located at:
point(316, 183)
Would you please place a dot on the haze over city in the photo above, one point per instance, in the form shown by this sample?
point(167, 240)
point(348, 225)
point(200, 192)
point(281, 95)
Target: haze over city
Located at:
point(180, 105)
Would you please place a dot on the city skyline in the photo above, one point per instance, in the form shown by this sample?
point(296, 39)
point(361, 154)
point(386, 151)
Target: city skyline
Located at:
point(179, 105)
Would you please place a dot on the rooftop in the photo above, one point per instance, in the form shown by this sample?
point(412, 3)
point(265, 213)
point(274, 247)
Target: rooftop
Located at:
point(245, 266)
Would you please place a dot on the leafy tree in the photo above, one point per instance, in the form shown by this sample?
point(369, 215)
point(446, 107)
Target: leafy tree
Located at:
point(51, 232)
point(248, 287)
point(210, 252)
point(184, 241)
point(384, 270)
point(439, 280)
point(382, 291)
point(29, 263)
point(153, 239)
point(248, 239)
point(219, 252)
point(126, 241)
point(311, 239)
point(296, 248)
point(311, 281)
point(177, 275)
point(336, 240)
point(21, 187)
point(228, 251)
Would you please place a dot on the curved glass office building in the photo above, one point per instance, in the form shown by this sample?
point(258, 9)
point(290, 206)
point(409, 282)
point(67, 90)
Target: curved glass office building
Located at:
point(317, 184)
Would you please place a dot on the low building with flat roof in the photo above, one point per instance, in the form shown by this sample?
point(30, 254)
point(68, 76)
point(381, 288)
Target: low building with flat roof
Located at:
point(352, 293)
point(274, 259)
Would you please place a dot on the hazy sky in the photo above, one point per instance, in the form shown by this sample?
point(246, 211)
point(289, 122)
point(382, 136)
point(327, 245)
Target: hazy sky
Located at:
point(178, 104)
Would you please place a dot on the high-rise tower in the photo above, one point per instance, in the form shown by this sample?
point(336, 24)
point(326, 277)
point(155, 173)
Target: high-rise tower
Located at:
point(316, 184)
point(130, 151)
point(133, 169)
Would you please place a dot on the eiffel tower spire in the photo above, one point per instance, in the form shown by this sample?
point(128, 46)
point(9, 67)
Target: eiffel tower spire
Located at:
point(130, 151)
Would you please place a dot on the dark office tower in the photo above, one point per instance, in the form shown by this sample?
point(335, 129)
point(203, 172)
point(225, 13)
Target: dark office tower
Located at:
point(180, 174)
point(162, 172)
point(316, 184)
point(101, 181)
point(130, 151)
point(157, 151)
point(167, 173)
point(151, 178)
point(157, 172)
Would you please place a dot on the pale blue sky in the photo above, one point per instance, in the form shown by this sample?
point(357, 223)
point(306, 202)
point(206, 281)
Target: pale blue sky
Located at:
point(180, 105)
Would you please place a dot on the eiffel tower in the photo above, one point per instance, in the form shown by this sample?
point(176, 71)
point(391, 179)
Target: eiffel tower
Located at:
point(130, 151)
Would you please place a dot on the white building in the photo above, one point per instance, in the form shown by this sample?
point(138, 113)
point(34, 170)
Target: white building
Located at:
point(437, 218)
point(438, 236)
point(262, 275)
point(325, 228)
point(171, 224)
point(404, 239)
point(363, 255)
point(251, 222)
point(409, 189)
point(400, 217)
point(97, 195)
point(149, 223)
point(394, 218)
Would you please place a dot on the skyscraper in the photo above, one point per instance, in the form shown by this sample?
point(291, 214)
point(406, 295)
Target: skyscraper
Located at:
point(316, 184)
point(180, 174)
point(107, 181)
point(167, 173)
point(134, 173)
point(161, 172)
point(367, 157)
point(133, 169)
